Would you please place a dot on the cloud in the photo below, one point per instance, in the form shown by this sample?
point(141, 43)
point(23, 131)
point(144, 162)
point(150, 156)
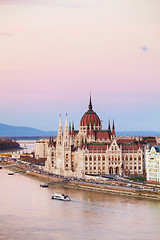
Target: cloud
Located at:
point(144, 49)
point(5, 34)
point(55, 3)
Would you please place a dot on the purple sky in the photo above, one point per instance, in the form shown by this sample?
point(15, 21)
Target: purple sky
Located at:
point(53, 53)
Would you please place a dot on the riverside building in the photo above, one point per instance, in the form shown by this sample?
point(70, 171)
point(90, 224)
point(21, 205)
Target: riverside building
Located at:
point(92, 150)
point(41, 148)
point(152, 156)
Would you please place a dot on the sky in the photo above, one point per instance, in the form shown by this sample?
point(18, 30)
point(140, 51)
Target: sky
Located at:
point(53, 53)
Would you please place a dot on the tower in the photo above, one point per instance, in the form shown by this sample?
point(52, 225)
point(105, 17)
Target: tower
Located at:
point(109, 126)
point(66, 135)
point(113, 130)
point(60, 133)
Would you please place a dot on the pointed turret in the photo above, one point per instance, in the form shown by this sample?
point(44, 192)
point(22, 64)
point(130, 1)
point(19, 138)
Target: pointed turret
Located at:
point(66, 124)
point(60, 132)
point(73, 128)
point(49, 143)
point(66, 134)
point(113, 129)
point(69, 128)
point(109, 126)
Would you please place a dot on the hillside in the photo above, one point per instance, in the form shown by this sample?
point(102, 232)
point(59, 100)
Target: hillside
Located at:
point(6, 143)
point(13, 131)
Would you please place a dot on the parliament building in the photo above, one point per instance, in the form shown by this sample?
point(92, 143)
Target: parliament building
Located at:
point(92, 150)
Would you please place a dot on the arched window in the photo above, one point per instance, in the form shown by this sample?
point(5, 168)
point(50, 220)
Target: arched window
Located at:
point(99, 158)
point(90, 158)
point(110, 170)
point(103, 158)
point(86, 158)
point(117, 170)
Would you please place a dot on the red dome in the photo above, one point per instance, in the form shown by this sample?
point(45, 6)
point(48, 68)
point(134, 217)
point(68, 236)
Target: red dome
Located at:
point(90, 118)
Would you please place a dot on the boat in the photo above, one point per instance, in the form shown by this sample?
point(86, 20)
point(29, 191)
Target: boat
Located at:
point(44, 185)
point(59, 196)
point(11, 173)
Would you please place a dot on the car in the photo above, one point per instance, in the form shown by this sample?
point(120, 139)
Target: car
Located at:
point(128, 185)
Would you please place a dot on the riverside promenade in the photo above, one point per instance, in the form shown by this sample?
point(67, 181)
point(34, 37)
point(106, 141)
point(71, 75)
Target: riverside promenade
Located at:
point(106, 186)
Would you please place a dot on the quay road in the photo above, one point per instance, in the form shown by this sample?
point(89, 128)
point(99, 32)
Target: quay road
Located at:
point(127, 184)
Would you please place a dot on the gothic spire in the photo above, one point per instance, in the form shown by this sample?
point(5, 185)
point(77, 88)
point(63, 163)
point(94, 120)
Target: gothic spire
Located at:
point(113, 129)
point(69, 128)
point(60, 122)
point(72, 126)
point(90, 103)
point(109, 126)
point(60, 132)
point(66, 134)
point(66, 123)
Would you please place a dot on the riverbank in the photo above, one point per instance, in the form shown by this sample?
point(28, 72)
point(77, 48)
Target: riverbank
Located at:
point(82, 185)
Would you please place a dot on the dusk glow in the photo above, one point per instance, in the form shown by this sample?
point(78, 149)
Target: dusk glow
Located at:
point(53, 53)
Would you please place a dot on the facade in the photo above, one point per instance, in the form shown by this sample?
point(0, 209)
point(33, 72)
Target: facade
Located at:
point(41, 148)
point(152, 156)
point(92, 150)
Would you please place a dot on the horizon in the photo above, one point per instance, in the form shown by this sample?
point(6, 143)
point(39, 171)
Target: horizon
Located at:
point(54, 53)
point(119, 131)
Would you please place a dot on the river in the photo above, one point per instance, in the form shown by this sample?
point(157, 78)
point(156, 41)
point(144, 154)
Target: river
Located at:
point(28, 212)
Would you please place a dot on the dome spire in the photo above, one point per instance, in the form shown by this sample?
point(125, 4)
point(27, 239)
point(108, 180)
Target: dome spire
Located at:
point(90, 103)
point(109, 126)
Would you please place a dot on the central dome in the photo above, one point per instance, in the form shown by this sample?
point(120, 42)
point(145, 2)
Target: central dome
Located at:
point(90, 118)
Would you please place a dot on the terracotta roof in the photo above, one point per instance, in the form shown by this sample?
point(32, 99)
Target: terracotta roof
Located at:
point(95, 146)
point(102, 135)
point(90, 118)
point(125, 141)
point(130, 146)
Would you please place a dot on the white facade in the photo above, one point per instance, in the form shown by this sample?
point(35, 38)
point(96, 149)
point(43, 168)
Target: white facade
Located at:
point(152, 163)
point(41, 148)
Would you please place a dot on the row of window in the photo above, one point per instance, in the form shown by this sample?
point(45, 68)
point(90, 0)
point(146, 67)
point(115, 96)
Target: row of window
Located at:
point(94, 158)
point(131, 158)
point(95, 163)
point(135, 167)
point(113, 157)
point(94, 168)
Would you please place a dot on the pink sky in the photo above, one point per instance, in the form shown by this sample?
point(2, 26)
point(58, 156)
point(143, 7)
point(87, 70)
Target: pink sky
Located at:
point(52, 53)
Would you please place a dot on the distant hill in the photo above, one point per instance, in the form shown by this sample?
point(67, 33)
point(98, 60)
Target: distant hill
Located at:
point(12, 131)
point(138, 133)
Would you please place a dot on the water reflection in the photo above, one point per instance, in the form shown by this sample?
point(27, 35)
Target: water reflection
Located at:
point(28, 212)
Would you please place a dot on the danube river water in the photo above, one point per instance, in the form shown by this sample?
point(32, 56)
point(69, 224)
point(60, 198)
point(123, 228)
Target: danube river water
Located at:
point(27, 212)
